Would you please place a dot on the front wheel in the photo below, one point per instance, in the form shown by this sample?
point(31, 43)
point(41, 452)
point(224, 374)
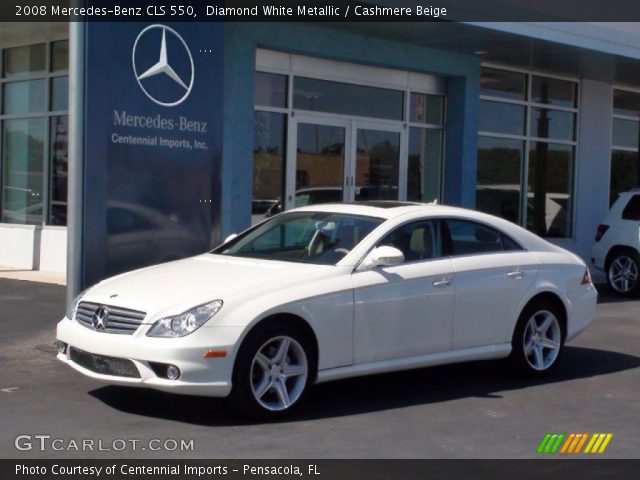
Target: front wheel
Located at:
point(537, 341)
point(622, 273)
point(273, 369)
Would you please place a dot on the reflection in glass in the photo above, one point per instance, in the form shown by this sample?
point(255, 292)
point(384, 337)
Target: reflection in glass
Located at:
point(626, 103)
point(22, 162)
point(60, 56)
point(268, 162)
point(24, 60)
point(23, 97)
point(551, 91)
point(377, 165)
point(625, 133)
point(549, 193)
point(59, 93)
point(499, 171)
point(319, 164)
point(346, 98)
point(270, 89)
point(502, 83)
point(59, 163)
point(425, 165)
point(498, 117)
point(426, 109)
point(624, 173)
point(555, 124)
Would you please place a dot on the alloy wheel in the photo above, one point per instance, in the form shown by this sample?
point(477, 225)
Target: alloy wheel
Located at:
point(542, 340)
point(623, 274)
point(279, 373)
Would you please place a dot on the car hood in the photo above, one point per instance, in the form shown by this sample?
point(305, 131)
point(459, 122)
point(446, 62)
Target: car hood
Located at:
point(176, 286)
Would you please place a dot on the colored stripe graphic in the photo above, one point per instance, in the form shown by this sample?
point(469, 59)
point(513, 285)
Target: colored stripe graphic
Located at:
point(573, 443)
point(550, 443)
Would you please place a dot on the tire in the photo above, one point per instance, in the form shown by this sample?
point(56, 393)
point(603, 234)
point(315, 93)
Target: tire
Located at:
point(622, 273)
point(536, 347)
point(273, 370)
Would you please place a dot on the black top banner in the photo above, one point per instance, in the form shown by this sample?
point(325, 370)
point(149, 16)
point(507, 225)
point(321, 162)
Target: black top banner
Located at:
point(320, 10)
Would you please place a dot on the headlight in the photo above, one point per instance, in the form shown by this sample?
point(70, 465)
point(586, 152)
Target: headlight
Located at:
point(185, 323)
point(71, 309)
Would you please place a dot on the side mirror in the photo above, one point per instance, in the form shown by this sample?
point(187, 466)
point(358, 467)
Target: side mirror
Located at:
point(384, 256)
point(230, 237)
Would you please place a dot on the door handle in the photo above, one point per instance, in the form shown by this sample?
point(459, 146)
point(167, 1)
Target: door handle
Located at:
point(515, 274)
point(442, 283)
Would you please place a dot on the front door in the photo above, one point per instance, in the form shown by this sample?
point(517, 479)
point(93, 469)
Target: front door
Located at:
point(342, 160)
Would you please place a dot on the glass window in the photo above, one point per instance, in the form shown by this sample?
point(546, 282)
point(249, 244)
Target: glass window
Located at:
point(502, 83)
point(268, 163)
point(626, 103)
point(417, 241)
point(499, 174)
point(270, 90)
point(632, 210)
point(555, 124)
point(59, 166)
point(425, 164)
point(500, 117)
point(24, 97)
point(307, 237)
point(426, 109)
point(60, 56)
point(24, 60)
point(549, 192)
point(470, 238)
point(625, 133)
point(59, 93)
point(22, 162)
point(624, 173)
point(552, 91)
point(345, 98)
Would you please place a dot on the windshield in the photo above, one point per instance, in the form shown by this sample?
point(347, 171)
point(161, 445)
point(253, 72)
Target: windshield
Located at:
point(308, 237)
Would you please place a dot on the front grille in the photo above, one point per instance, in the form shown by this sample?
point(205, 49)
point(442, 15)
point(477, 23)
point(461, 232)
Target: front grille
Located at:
point(115, 319)
point(116, 367)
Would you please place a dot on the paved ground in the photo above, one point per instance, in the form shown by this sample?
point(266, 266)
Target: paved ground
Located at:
point(472, 410)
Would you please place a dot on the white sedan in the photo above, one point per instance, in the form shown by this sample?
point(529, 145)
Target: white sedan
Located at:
point(332, 291)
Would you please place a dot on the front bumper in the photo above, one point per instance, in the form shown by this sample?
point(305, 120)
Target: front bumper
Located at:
point(199, 375)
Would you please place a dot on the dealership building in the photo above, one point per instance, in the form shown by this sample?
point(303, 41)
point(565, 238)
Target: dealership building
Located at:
point(111, 159)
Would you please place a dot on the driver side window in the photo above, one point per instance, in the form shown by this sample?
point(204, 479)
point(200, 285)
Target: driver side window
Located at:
point(421, 240)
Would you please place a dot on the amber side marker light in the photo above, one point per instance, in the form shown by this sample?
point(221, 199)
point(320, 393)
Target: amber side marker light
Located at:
point(215, 354)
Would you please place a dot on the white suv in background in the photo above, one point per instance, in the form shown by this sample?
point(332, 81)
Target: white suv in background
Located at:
point(617, 246)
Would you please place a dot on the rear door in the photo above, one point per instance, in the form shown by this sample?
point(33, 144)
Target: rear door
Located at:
point(492, 274)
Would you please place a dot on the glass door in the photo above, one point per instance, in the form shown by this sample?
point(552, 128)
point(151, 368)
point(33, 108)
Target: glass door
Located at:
point(318, 161)
point(341, 160)
point(376, 166)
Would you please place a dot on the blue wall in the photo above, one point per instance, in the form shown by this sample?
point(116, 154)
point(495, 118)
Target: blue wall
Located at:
point(241, 40)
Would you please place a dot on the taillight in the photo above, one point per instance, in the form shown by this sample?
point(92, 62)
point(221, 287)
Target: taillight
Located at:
point(602, 229)
point(586, 278)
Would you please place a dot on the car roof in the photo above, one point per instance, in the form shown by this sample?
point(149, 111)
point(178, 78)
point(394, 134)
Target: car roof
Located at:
point(386, 209)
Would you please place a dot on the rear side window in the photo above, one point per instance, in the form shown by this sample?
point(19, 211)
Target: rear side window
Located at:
point(469, 238)
point(632, 210)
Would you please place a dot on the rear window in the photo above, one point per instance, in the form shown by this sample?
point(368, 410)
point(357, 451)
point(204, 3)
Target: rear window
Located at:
point(632, 210)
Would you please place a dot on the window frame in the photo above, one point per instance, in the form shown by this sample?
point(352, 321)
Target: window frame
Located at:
point(48, 114)
point(529, 139)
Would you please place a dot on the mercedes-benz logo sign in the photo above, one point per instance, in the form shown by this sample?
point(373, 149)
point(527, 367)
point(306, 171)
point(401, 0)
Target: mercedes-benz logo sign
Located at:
point(177, 68)
point(100, 319)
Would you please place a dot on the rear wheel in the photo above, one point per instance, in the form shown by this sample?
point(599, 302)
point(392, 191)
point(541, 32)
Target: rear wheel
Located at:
point(622, 273)
point(273, 369)
point(537, 341)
